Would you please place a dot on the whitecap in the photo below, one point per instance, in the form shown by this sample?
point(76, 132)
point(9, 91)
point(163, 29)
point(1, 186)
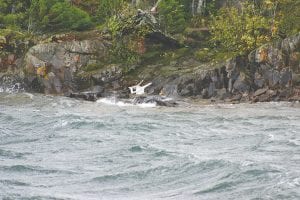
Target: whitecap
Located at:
point(114, 101)
point(31, 96)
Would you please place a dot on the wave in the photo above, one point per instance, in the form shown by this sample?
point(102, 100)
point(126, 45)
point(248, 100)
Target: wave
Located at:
point(33, 169)
point(120, 103)
point(10, 154)
point(172, 172)
point(13, 183)
point(14, 88)
point(18, 197)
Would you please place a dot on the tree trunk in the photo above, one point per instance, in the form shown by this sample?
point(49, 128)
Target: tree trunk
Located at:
point(200, 6)
point(193, 7)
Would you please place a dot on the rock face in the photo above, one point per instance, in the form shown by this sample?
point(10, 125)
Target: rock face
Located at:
point(203, 83)
point(56, 63)
point(269, 73)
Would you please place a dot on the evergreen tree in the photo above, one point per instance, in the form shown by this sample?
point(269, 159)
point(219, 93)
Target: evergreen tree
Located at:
point(172, 16)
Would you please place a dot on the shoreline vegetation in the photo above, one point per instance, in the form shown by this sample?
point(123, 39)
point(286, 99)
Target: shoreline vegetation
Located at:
point(210, 50)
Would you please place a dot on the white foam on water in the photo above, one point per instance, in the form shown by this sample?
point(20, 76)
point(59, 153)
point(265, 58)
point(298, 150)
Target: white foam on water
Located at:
point(147, 105)
point(15, 88)
point(114, 101)
point(31, 96)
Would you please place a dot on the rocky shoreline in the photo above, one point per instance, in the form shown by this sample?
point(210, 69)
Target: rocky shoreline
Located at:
point(269, 73)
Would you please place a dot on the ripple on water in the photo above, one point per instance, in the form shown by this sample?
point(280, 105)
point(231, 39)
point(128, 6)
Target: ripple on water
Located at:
point(11, 154)
point(31, 169)
point(136, 149)
point(18, 197)
point(13, 183)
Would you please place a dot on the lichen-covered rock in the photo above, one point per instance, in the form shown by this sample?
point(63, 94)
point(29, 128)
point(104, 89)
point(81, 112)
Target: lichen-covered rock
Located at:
point(277, 62)
point(56, 63)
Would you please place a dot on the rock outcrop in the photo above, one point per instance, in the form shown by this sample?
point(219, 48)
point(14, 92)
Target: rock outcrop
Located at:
point(56, 63)
point(270, 73)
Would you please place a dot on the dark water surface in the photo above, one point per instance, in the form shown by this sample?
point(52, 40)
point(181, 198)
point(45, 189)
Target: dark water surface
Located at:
point(59, 148)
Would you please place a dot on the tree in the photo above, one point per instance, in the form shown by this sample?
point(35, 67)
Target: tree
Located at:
point(240, 30)
point(288, 17)
point(13, 13)
point(172, 15)
point(63, 16)
point(57, 15)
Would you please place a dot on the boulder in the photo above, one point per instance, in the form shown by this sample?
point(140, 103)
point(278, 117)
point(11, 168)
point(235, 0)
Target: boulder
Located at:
point(158, 100)
point(57, 63)
point(260, 92)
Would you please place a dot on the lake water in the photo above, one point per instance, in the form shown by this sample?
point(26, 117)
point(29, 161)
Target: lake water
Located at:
point(61, 148)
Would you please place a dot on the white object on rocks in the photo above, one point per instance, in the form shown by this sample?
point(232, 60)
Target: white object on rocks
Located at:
point(138, 89)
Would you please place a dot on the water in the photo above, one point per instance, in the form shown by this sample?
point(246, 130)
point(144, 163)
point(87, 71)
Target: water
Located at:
point(60, 148)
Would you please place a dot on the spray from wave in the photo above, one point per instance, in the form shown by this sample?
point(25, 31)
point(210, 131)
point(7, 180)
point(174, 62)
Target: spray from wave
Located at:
point(14, 88)
point(123, 103)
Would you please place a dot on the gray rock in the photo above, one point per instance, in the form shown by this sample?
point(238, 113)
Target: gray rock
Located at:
point(222, 94)
point(241, 85)
point(260, 92)
point(160, 101)
point(285, 77)
point(64, 59)
point(87, 96)
point(259, 81)
point(187, 90)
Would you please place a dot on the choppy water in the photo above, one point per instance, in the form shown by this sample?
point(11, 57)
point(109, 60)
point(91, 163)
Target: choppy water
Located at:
point(60, 148)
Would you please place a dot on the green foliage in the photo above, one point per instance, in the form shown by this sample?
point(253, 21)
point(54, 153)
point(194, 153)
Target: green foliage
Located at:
point(13, 13)
point(255, 23)
point(63, 16)
point(172, 16)
point(14, 41)
point(58, 15)
point(107, 9)
point(289, 17)
point(203, 55)
point(240, 31)
point(92, 67)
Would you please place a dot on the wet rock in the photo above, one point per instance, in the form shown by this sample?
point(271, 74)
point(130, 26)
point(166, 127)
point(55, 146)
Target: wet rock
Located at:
point(222, 94)
point(284, 94)
point(87, 96)
point(169, 90)
point(259, 81)
point(296, 95)
point(237, 97)
point(160, 101)
point(260, 92)
point(241, 85)
point(108, 74)
point(263, 98)
point(187, 90)
point(285, 77)
point(296, 79)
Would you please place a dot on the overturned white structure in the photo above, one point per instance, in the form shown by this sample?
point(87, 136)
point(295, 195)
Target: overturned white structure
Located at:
point(138, 89)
